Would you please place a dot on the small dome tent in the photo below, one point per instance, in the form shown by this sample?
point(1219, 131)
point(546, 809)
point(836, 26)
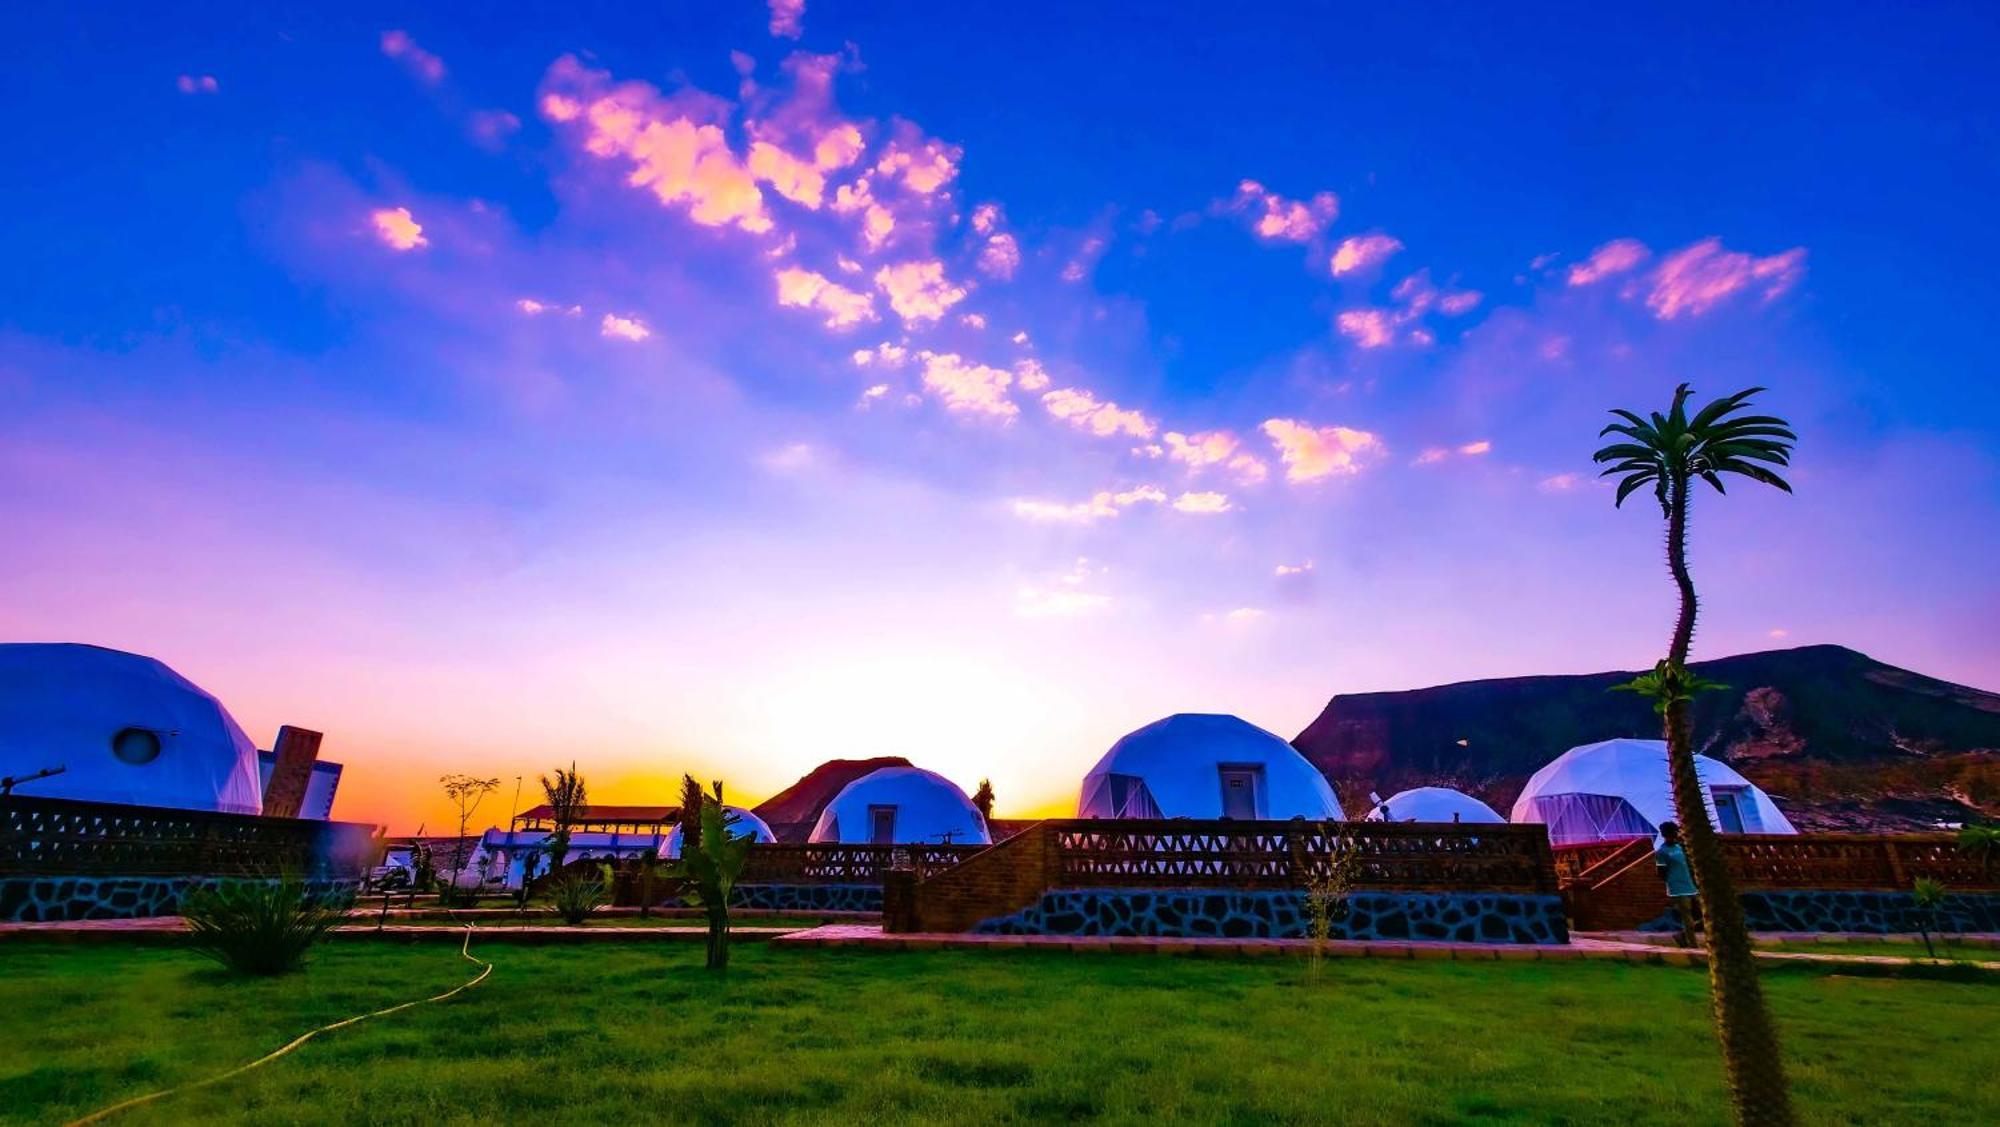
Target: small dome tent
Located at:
point(1434, 804)
point(1617, 789)
point(901, 806)
point(745, 824)
point(124, 728)
point(1194, 765)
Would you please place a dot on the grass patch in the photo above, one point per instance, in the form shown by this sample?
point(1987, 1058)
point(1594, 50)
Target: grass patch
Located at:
point(588, 1034)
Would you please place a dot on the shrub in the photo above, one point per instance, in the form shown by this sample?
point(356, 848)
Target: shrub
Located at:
point(1929, 897)
point(261, 927)
point(575, 897)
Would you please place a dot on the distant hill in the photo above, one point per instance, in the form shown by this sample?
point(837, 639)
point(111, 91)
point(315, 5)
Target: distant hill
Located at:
point(1840, 739)
point(791, 812)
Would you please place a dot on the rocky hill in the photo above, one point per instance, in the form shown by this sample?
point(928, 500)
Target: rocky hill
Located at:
point(1841, 740)
point(791, 812)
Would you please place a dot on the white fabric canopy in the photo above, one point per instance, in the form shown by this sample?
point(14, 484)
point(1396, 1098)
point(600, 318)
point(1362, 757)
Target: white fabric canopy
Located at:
point(905, 805)
point(1184, 765)
point(1434, 804)
point(746, 824)
point(124, 727)
point(1620, 789)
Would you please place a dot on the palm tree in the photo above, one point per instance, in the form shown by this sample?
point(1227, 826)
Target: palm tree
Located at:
point(567, 796)
point(1669, 453)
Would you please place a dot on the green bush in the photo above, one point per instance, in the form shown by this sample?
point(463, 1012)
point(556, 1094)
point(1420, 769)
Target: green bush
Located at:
point(259, 926)
point(576, 897)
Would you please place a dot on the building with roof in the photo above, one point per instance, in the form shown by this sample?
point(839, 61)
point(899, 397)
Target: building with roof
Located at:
point(1196, 765)
point(1618, 789)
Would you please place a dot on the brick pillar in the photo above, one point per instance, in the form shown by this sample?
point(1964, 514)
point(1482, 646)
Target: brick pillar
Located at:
point(296, 751)
point(899, 900)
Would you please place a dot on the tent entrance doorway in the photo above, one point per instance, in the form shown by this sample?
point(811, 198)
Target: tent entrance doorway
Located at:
point(882, 825)
point(1242, 790)
point(1728, 809)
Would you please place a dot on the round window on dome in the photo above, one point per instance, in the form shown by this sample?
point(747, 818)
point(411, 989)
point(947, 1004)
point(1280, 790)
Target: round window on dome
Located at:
point(137, 746)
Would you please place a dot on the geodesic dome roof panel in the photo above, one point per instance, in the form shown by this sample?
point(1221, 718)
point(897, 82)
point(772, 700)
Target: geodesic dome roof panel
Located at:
point(745, 823)
point(1185, 765)
point(125, 728)
point(1434, 804)
point(1620, 788)
point(901, 806)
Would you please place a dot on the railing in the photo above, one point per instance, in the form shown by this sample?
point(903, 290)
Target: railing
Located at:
point(1855, 861)
point(1572, 860)
point(61, 837)
point(1412, 856)
point(822, 863)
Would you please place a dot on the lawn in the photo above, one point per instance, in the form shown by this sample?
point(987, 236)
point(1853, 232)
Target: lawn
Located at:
point(1945, 949)
point(587, 1034)
point(550, 919)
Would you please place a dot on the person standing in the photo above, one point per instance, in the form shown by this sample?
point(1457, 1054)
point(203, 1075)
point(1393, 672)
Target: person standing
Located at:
point(1671, 859)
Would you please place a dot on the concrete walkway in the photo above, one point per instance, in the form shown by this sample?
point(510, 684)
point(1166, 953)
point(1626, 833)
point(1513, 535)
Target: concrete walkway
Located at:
point(173, 929)
point(1601, 947)
point(1579, 948)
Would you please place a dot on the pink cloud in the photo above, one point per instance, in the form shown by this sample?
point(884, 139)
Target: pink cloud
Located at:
point(877, 221)
point(788, 18)
point(197, 84)
point(1203, 503)
point(398, 229)
point(676, 150)
point(967, 387)
point(1100, 506)
point(1475, 449)
point(491, 128)
point(1028, 374)
point(1614, 257)
point(1697, 278)
point(918, 291)
point(1459, 302)
point(1000, 257)
point(1369, 328)
point(623, 328)
point(1277, 219)
point(844, 308)
point(534, 308)
point(1085, 411)
point(1362, 252)
point(923, 164)
point(1215, 448)
point(427, 68)
point(1313, 453)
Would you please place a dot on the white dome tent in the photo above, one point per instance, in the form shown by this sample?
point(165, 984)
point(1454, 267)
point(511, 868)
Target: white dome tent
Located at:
point(745, 824)
point(1195, 765)
point(1434, 804)
point(901, 806)
point(1617, 789)
point(124, 728)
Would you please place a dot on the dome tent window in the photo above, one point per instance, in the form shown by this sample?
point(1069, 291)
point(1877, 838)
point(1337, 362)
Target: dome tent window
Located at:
point(137, 746)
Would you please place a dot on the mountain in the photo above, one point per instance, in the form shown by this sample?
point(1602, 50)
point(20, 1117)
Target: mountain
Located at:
point(1842, 741)
point(791, 812)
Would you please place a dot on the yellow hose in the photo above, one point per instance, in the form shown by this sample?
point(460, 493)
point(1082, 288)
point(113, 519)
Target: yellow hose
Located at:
point(465, 951)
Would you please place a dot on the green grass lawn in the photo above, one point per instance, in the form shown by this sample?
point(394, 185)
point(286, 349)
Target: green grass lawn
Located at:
point(589, 1034)
point(1945, 949)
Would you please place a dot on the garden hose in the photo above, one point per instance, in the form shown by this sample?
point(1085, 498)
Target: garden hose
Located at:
point(465, 952)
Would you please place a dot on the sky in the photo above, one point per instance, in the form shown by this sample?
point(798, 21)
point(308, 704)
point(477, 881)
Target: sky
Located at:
point(724, 388)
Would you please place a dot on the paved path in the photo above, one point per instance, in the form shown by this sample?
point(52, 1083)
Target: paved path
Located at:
point(173, 929)
point(1605, 947)
point(1579, 948)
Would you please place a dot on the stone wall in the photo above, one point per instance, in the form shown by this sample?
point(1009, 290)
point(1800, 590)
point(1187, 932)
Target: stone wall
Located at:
point(807, 897)
point(1880, 913)
point(1463, 917)
point(51, 899)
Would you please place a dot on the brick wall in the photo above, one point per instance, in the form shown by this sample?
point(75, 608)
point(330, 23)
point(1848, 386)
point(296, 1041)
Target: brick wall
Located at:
point(1001, 879)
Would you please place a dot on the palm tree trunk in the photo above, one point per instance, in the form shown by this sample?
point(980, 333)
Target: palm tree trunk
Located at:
point(1750, 1053)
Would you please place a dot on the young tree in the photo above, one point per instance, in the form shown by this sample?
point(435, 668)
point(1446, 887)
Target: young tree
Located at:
point(465, 792)
point(567, 796)
point(1668, 454)
point(983, 800)
point(712, 860)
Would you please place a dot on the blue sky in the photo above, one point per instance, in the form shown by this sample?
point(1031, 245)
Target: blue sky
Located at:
point(369, 367)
